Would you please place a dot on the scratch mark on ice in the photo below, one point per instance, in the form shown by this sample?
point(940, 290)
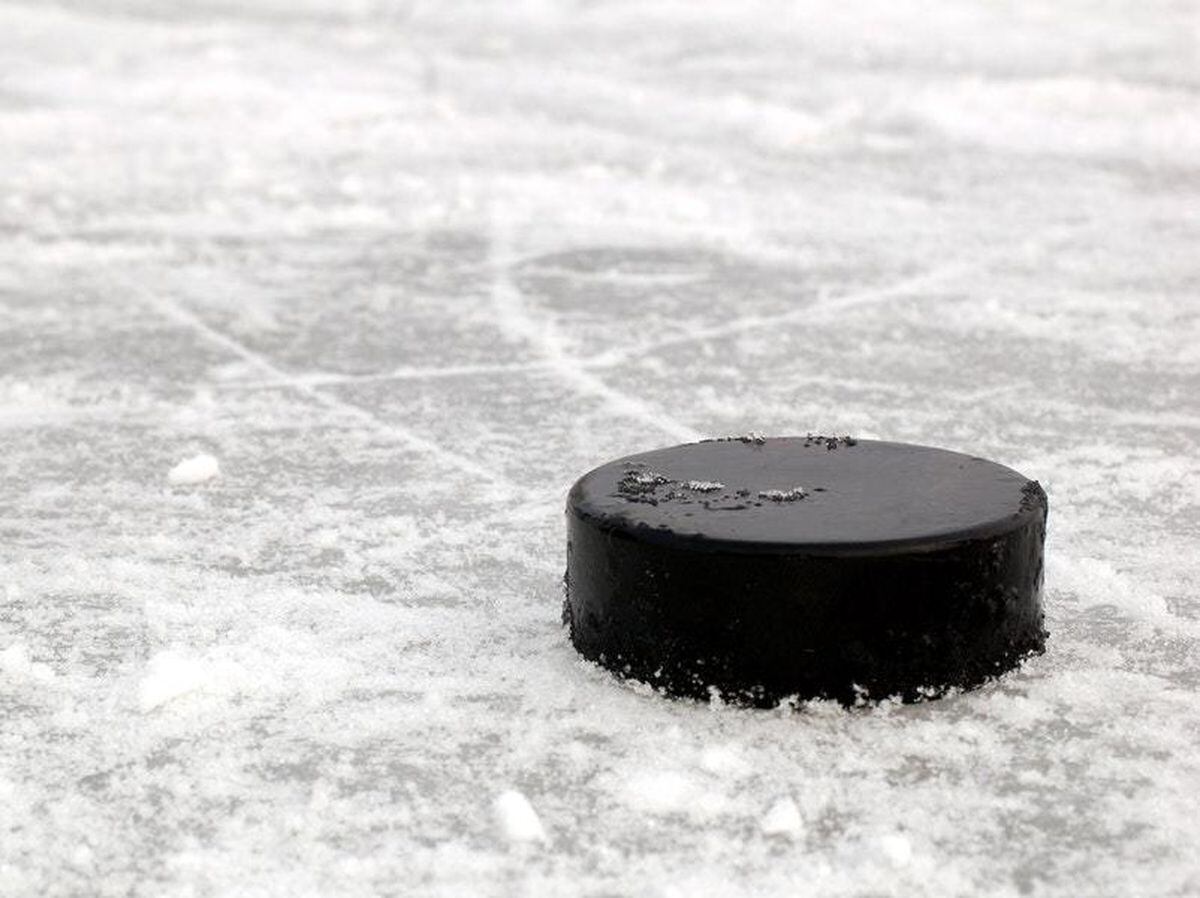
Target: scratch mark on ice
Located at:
point(514, 319)
point(180, 315)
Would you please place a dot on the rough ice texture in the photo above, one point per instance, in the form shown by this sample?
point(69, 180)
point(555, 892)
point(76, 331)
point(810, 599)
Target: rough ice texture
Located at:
point(408, 270)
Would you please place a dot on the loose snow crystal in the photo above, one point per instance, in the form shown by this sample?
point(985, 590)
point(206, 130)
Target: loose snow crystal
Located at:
point(897, 848)
point(168, 676)
point(516, 818)
point(172, 674)
point(196, 469)
point(783, 819)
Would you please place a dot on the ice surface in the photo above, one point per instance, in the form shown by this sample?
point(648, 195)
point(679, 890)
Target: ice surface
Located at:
point(408, 269)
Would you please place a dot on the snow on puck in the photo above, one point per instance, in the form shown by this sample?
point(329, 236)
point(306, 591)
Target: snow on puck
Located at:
point(806, 567)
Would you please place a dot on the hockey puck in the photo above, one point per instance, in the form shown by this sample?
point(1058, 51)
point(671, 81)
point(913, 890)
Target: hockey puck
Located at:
point(805, 567)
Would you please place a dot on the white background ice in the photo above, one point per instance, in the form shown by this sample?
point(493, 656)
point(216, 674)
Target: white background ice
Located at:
point(407, 269)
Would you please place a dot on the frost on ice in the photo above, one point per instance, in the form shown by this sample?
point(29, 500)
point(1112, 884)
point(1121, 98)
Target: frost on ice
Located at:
point(197, 469)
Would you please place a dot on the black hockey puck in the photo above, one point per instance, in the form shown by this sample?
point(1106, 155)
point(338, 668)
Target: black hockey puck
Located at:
point(806, 567)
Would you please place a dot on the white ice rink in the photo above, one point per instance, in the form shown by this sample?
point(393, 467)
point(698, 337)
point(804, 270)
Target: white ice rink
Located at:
point(310, 312)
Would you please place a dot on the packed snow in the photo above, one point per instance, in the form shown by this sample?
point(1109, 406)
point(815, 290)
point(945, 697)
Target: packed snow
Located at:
point(408, 269)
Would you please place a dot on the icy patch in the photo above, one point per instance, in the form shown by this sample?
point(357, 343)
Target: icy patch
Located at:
point(1092, 117)
point(782, 819)
point(197, 469)
point(516, 819)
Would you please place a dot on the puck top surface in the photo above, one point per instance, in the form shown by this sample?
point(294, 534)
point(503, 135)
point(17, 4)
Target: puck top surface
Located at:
point(787, 494)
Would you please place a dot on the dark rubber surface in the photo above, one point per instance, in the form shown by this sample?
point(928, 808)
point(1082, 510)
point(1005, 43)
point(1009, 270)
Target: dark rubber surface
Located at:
point(814, 567)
